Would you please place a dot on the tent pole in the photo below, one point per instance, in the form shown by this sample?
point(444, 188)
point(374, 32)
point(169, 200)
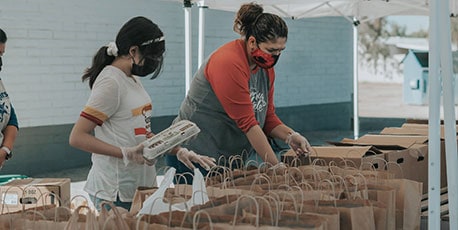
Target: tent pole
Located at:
point(187, 31)
point(451, 154)
point(434, 160)
point(355, 81)
point(355, 23)
point(200, 55)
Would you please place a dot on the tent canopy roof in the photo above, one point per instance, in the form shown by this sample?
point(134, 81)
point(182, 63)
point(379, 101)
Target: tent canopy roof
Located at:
point(362, 10)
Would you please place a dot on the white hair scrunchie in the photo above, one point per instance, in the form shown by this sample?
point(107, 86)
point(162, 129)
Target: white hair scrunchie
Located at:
point(112, 50)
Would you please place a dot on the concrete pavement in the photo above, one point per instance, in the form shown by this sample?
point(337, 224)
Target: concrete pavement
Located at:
point(384, 100)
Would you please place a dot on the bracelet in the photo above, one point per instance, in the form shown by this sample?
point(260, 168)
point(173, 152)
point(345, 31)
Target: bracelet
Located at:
point(290, 135)
point(8, 152)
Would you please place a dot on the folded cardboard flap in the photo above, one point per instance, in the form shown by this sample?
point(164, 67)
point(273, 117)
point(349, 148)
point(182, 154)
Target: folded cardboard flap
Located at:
point(404, 131)
point(351, 142)
point(418, 151)
point(358, 155)
point(419, 126)
point(409, 131)
point(415, 126)
point(345, 151)
point(391, 141)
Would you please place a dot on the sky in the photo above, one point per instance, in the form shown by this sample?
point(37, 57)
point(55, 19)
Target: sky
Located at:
point(412, 23)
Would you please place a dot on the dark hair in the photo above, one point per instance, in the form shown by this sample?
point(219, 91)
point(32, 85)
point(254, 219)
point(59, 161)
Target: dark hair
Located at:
point(138, 31)
point(3, 37)
point(252, 21)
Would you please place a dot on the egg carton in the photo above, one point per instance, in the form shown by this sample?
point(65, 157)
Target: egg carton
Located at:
point(165, 140)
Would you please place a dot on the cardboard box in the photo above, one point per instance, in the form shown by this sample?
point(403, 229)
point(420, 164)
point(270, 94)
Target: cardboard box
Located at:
point(351, 156)
point(419, 126)
point(409, 151)
point(390, 142)
point(292, 159)
point(411, 129)
point(410, 163)
point(407, 155)
point(405, 131)
point(422, 129)
point(18, 195)
point(408, 128)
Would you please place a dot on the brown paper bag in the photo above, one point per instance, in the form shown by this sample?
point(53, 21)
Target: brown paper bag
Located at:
point(331, 214)
point(380, 215)
point(256, 219)
point(408, 202)
point(225, 226)
point(86, 221)
point(37, 221)
point(387, 196)
point(260, 211)
point(383, 200)
point(354, 214)
point(112, 219)
point(43, 225)
point(40, 217)
point(139, 197)
point(369, 174)
point(163, 221)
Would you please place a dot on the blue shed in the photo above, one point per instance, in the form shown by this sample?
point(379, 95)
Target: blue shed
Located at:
point(415, 85)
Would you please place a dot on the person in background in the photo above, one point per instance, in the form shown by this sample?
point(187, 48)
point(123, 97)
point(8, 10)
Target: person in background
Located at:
point(231, 97)
point(8, 120)
point(116, 119)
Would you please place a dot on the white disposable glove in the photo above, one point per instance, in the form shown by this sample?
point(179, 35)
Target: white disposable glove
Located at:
point(135, 155)
point(187, 157)
point(298, 143)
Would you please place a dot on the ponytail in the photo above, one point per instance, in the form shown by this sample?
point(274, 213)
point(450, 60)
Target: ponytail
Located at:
point(138, 31)
point(100, 60)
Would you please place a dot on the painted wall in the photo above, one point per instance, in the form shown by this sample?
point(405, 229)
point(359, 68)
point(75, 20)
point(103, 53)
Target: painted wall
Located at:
point(52, 42)
point(414, 88)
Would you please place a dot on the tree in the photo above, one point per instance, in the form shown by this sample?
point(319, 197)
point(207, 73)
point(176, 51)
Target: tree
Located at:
point(371, 47)
point(372, 36)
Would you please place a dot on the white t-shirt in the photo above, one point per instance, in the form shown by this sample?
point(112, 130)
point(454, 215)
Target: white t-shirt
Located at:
point(5, 109)
point(122, 109)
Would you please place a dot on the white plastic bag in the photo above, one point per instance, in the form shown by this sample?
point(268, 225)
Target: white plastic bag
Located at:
point(155, 203)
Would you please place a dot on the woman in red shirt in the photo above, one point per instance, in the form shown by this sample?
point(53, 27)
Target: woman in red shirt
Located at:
point(231, 96)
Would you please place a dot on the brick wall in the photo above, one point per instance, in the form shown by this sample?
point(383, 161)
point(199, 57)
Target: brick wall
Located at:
point(51, 42)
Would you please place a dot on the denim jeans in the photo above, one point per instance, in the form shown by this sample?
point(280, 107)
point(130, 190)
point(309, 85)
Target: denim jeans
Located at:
point(181, 169)
point(97, 203)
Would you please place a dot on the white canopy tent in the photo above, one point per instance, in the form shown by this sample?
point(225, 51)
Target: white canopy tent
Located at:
point(440, 64)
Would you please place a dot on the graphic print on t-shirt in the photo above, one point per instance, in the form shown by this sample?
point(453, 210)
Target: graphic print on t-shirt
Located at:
point(145, 112)
point(3, 111)
point(4, 106)
point(259, 89)
point(258, 100)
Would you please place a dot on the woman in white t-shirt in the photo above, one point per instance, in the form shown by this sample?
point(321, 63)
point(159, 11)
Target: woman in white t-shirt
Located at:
point(116, 119)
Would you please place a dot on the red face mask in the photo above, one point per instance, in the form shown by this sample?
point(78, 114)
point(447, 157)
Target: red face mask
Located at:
point(263, 59)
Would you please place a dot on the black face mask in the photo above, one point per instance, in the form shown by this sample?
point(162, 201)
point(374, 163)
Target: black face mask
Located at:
point(1, 63)
point(148, 67)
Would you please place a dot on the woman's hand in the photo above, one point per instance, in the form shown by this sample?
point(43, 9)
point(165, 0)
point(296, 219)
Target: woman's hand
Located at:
point(187, 157)
point(135, 154)
point(298, 143)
